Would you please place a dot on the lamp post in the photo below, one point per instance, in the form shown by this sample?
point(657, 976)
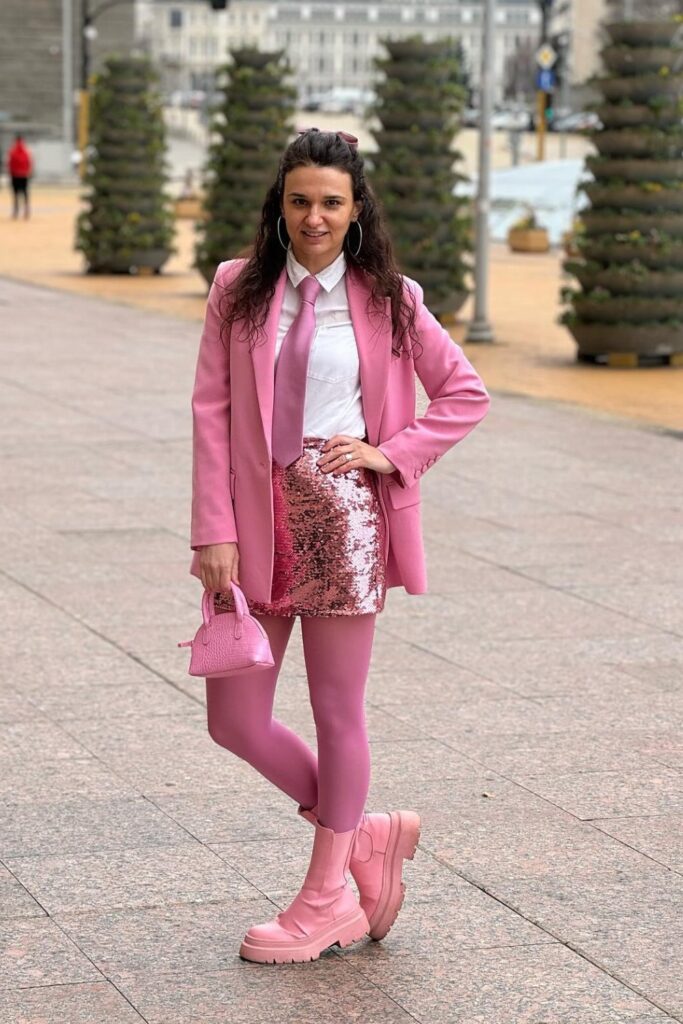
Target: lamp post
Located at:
point(480, 329)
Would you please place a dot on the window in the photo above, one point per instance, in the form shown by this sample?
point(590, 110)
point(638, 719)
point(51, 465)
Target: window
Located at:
point(175, 18)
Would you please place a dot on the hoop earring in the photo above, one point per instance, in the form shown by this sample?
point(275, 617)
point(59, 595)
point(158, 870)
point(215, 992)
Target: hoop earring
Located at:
point(285, 245)
point(360, 237)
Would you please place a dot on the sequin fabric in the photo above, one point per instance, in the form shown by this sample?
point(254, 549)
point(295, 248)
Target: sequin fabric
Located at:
point(329, 536)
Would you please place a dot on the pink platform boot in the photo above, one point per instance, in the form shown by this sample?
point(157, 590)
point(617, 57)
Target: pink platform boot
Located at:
point(325, 912)
point(383, 842)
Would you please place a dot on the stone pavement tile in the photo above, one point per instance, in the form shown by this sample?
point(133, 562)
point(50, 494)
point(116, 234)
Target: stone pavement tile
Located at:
point(132, 877)
point(666, 676)
point(514, 845)
point(244, 812)
point(328, 992)
point(35, 951)
point(546, 983)
point(98, 1003)
point(158, 753)
point(63, 508)
point(462, 918)
point(36, 741)
point(85, 701)
point(15, 900)
point(77, 825)
point(657, 836)
point(436, 681)
point(15, 708)
point(506, 661)
point(183, 937)
point(605, 794)
point(572, 565)
point(451, 571)
point(418, 759)
point(632, 709)
point(513, 615)
point(51, 781)
point(557, 752)
point(654, 604)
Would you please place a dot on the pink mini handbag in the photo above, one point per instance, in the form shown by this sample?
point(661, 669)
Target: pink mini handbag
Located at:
point(230, 642)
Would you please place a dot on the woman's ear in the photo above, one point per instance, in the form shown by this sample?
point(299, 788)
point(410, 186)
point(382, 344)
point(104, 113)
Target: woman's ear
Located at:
point(358, 206)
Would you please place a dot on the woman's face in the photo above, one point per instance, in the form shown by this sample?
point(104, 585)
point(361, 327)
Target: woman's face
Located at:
point(318, 206)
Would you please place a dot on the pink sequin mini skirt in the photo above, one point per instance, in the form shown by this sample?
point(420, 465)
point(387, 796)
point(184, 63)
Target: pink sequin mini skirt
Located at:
point(329, 541)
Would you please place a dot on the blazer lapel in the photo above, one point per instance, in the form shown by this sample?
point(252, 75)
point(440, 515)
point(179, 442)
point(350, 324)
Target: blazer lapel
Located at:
point(263, 358)
point(373, 339)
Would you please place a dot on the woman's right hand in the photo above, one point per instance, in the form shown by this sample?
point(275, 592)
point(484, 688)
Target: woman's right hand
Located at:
point(219, 564)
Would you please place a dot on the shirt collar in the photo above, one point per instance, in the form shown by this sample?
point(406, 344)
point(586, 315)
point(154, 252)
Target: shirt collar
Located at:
point(329, 277)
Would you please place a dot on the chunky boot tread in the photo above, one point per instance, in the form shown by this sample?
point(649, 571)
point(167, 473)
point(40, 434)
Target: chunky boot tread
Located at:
point(402, 845)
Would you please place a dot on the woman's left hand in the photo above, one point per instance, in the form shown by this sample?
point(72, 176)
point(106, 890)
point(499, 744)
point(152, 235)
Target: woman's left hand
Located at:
point(336, 460)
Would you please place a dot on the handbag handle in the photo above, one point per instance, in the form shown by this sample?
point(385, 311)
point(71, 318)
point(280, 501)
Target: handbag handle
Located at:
point(241, 608)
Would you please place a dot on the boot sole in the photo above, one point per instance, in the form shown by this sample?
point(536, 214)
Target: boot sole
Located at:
point(344, 932)
point(403, 839)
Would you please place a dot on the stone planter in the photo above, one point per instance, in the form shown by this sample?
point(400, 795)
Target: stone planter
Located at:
point(609, 251)
point(635, 60)
point(623, 307)
point(633, 197)
point(189, 208)
point(612, 116)
point(625, 282)
point(639, 33)
point(597, 221)
point(652, 339)
point(402, 48)
point(640, 87)
point(141, 262)
point(528, 240)
point(637, 142)
point(635, 170)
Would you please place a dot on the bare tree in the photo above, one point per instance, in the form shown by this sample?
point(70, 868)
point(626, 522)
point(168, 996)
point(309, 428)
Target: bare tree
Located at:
point(518, 75)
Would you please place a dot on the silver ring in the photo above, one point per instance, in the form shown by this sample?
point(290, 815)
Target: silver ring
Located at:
point(349, 456)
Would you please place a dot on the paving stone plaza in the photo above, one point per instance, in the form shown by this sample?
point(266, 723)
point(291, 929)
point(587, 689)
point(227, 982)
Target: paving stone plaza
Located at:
point(529, 707)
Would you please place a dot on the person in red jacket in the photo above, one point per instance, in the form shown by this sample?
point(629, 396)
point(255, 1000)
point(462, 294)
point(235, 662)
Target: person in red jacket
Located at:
point(20, 166)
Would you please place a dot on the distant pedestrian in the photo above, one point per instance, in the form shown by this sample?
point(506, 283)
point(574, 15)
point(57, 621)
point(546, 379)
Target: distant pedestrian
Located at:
point(20, 167)
point(314, 470)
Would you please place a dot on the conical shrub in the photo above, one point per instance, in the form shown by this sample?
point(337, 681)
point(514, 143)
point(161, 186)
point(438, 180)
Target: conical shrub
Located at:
point(629, 303)
point(251, 128)
point(128, 225)
point(419, 105)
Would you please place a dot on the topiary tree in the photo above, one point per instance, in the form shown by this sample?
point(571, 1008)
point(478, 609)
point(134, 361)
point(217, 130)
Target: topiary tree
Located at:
point(128, 225)
point(419, 103)
point(629, 304)
point(252, 128)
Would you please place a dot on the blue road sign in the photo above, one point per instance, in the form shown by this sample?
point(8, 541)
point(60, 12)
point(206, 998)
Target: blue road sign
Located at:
point(545, 79)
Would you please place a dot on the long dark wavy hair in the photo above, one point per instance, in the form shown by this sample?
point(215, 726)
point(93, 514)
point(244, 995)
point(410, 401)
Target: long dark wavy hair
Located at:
point(248, 297)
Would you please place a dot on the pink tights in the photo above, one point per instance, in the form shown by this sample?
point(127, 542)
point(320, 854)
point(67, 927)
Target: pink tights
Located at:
point(240, 717)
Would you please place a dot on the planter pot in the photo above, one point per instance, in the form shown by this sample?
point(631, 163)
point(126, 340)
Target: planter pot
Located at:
point(631, 196)
point(568, 240)
point(405, 120)
point(625, 283)
point(144, 260)
point(597, 221)
point(640, 87)
point(637, 59)
point(252, 58)
point(622, 307)
point(528, 240)
point(650, 339)
point(631, 141)
point(610, 251)
point(189, 208)
point(407, 70)
point(401, 49)
point(642, 33)
point(634, 169)
point(613, 116)
point(447, 308)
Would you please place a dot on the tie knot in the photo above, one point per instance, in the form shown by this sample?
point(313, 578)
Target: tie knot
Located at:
point(310, 289)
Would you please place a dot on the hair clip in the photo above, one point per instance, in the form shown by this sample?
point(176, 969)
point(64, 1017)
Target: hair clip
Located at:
point(349, 139)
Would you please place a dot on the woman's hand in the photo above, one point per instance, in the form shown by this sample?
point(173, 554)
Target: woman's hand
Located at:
point(336, 461)
point(219, 564)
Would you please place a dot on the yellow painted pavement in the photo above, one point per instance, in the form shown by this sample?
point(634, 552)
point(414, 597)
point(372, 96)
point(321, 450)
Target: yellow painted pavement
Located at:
point(532, 355)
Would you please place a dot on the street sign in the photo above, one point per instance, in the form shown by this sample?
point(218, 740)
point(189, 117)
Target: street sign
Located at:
point(545, 80)
point(545, 56)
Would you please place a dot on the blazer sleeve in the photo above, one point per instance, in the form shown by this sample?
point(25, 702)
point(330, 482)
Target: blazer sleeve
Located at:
point(458, 399)
point(213, 517)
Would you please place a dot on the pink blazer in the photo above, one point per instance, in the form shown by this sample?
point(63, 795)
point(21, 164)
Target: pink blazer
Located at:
point(232, 405)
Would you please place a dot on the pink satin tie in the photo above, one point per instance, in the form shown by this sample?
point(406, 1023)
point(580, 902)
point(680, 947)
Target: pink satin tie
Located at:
point(290, 377)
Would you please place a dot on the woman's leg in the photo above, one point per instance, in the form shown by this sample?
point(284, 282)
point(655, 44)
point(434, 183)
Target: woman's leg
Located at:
point(337, 653)
point(240, 717)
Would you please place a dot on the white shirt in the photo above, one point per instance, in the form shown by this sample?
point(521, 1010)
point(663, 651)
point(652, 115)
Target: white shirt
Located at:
point(333, 400)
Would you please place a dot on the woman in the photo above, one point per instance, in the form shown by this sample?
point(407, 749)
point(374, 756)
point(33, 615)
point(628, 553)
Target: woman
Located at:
point(307, 460)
